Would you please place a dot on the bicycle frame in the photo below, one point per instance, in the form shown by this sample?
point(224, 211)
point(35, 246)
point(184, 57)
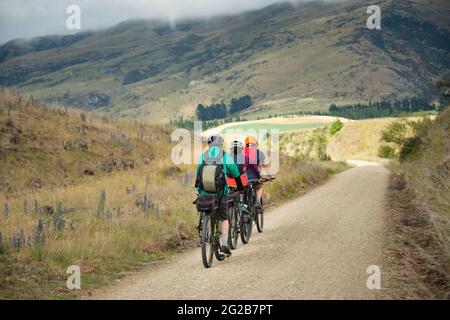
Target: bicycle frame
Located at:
point(251, 197)
point(214, 224)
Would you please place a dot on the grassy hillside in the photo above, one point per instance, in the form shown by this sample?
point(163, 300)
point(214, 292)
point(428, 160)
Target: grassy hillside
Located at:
point(54, 147)
point(429, 173)
point(419, 198)
point(52, 211)
point(287, 57)
point(111, 203)
point(356, 140)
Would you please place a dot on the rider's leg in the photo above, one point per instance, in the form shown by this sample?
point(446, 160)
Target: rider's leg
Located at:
point(224, 227)
point(259, 194)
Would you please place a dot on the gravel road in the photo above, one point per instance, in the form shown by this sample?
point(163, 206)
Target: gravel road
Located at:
point(317, 246)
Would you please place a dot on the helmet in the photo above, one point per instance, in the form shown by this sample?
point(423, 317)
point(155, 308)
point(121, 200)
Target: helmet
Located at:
point(237, 145)
point(251, 140)
point(215, 140)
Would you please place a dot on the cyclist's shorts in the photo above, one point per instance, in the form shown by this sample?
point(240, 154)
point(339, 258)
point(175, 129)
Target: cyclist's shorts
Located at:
point(223, 209)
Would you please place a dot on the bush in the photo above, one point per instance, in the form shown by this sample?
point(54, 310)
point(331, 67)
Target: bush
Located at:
point(336, 127)
point(407, 135)
point(386, 151)
point(320, 142)
point(410, 148)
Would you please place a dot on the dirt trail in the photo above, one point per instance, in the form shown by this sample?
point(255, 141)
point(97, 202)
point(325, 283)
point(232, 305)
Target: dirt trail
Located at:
point(317, 246)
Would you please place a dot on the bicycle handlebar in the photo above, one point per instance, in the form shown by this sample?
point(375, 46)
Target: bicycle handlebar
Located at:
point(266, 178)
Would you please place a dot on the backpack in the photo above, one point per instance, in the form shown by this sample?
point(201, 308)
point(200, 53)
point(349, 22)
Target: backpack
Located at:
point(252, 161)
point(211, 175)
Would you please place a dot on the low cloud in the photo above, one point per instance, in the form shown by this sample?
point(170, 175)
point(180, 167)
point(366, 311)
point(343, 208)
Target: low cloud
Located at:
point(29, 18)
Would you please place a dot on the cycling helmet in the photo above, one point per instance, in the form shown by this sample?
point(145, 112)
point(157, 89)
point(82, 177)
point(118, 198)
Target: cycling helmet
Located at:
point(215, 140)
point(251, 140)
point(237, 145)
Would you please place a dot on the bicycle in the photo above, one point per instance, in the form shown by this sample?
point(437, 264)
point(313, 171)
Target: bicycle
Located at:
point(209, 230)
point(258, 217)
point(246, 221)
point(239, 218)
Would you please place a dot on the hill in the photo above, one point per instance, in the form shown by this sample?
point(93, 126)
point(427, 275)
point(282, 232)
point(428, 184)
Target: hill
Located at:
point(52, 147)
point(357, 139)
point(288, 57)
point(81, 188)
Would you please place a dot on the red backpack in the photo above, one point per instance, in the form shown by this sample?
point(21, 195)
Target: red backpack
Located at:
point(252, 160)
point(232, 181)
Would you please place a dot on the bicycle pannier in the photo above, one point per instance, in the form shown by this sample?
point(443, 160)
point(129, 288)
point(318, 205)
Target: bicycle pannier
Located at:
point(207, 204)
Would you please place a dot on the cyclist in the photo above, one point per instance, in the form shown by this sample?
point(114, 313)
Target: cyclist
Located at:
point(214, 166)
point(254, 160)
point(237, 152)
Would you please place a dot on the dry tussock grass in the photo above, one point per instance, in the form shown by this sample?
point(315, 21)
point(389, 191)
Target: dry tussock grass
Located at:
point(415, 249)
point(419, 196)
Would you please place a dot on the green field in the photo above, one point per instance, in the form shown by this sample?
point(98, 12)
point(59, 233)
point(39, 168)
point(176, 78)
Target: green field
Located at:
point(270, 126)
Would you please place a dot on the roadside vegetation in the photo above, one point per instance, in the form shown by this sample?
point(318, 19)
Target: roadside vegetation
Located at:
point(83, 189)
point(419, 199)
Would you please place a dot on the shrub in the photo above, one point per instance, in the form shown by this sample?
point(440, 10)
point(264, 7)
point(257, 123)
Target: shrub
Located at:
point(320, 142)
point(386, 151)
point(336, 127)
point(408, 135)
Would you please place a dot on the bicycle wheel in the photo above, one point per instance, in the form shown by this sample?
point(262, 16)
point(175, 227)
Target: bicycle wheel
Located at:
point(207, 241)
point(259, 219)
point(233, 233)
point(246, 226)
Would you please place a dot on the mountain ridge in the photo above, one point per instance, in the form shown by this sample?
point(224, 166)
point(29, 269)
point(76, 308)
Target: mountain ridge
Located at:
point(288, 57)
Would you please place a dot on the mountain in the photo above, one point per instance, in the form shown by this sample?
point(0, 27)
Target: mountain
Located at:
point(288, 57)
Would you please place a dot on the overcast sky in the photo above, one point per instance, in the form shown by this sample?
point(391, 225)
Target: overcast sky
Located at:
point(29, 18)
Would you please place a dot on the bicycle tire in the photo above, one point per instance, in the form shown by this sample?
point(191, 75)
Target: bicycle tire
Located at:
point(259, 219)
point(233, 233)
point(207, 241)
point(246, 228)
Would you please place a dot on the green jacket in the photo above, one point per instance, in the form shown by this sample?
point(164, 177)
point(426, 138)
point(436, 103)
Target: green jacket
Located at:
point(229, 167)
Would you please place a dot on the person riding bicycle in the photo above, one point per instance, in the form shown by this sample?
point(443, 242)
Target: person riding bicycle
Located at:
point(215, 164)
point(254, 160)
point(237, 152)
